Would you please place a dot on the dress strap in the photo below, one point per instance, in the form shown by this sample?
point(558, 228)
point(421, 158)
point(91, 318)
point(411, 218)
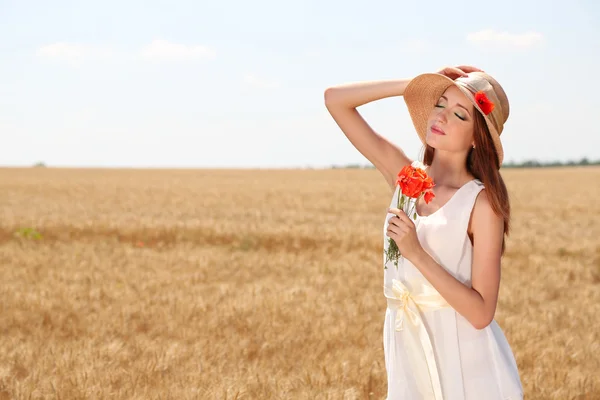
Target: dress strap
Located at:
point(466, 205)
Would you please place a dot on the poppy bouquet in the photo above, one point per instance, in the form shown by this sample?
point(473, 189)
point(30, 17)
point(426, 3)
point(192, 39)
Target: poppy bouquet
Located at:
point(414, 183)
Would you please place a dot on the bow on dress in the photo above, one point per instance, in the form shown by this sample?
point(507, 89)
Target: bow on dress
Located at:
point(408, 306)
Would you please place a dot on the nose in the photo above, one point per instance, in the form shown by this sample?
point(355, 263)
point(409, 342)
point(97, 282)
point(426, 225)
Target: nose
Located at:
point(441, 116)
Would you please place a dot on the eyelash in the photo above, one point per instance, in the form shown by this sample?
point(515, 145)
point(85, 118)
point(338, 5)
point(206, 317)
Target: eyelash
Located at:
point(459, 117)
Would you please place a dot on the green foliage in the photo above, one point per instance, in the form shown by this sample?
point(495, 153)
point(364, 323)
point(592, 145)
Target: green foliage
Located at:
point(510, 164)
point(538, 164)
point(28, 233)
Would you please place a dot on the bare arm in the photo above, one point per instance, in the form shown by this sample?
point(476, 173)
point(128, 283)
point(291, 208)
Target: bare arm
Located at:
point(341, 102)
point(478, 303)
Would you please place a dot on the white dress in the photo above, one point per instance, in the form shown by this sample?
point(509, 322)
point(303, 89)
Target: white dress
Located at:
point(431, 351)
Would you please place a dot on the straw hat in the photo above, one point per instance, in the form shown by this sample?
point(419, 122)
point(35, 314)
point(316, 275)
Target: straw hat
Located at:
point(487, 96)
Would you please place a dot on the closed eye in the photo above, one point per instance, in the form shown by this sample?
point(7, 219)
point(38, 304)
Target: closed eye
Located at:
point(458, 115)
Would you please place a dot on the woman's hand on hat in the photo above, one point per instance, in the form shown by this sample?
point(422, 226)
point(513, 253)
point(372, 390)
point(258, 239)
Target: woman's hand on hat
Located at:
point(458, 71)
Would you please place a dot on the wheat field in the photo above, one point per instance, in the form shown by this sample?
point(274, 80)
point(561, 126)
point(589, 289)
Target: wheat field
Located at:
point(261, 284)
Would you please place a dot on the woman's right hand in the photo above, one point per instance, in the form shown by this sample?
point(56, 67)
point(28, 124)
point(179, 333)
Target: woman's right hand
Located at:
point(458, 71)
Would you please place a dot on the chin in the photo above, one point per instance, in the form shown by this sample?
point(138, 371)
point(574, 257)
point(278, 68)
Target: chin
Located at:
point(430, 139)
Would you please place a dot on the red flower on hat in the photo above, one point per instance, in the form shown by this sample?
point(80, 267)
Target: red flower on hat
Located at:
point(484, 103)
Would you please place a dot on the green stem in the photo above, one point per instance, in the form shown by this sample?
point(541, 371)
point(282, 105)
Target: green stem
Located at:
point(414, 206)
point(393, 253)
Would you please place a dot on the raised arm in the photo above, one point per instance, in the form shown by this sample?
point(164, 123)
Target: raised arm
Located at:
point(341, 102)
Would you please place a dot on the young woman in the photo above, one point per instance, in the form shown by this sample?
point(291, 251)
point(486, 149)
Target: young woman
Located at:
point(440, 337)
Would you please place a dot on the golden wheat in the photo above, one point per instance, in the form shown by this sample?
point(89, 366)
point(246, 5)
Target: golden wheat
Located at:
point(217, 284)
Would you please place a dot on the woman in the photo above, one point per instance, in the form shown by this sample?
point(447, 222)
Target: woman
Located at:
point(440, 337)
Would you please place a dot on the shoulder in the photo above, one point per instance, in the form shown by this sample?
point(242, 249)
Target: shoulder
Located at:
point(483, 217)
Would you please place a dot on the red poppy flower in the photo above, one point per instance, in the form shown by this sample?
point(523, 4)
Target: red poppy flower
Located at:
point(414, 181)
point(484, 103)
point(429, 196)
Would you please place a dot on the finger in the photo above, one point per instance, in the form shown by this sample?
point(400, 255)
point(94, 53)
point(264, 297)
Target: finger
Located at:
point(459, 72)
point(394, 237)
point(404, 218)
point(397, 218)
point(400, 229)
point(469, 68)
point(393, 210)
point(396, 211)
point(450, 74)
point(397, 221)
point(395, 229)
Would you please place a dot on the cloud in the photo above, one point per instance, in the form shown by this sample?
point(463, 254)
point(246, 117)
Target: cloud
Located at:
point(254, 81)
point(505, 39)
point(164, 50)
point(73, 53)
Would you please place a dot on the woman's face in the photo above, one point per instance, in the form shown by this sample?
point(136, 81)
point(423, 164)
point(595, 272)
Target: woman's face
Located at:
point(451, 122)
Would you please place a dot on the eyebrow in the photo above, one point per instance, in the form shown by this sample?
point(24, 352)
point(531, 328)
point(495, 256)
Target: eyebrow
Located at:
point(460, 105)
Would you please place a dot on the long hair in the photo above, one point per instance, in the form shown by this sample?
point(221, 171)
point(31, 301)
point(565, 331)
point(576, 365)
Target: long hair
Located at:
point(482, 162)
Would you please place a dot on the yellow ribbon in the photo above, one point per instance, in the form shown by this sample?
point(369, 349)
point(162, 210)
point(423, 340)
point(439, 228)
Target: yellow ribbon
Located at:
point(410, 305)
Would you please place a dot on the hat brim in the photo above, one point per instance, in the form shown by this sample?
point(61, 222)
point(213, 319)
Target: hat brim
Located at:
point(422, 94)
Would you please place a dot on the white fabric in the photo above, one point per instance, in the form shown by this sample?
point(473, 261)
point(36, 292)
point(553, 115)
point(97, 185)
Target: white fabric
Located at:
point(472, 364)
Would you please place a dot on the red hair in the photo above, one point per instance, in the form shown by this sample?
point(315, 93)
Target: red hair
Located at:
point(483, 163)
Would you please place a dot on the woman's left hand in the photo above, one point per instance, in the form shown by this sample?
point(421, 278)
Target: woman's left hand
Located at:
point(403, 231)
point(458, 71)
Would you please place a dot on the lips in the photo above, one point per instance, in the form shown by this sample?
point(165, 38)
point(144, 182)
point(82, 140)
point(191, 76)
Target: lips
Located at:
point(437, 130)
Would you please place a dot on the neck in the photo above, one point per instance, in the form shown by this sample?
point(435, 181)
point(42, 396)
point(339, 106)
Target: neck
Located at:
point(449, 169)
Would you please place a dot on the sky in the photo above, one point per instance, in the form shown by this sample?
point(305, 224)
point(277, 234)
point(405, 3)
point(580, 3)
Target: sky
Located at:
point(239, 84)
